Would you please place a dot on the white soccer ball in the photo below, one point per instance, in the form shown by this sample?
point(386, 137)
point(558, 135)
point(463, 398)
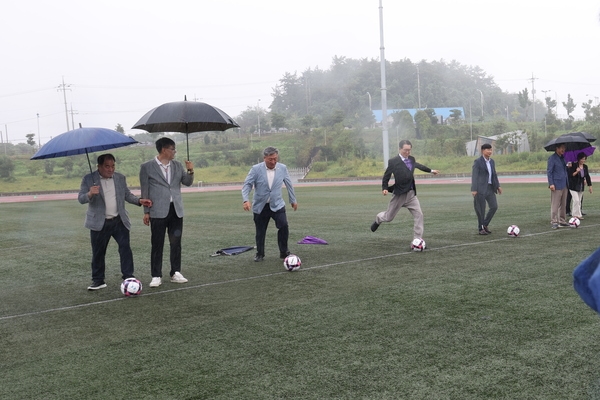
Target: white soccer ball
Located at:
point(513, 231)
point(131, 287)
point(292, 262)
point(574, 222)
point(418, 244)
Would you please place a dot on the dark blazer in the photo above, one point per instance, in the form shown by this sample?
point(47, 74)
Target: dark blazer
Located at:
point(577, 182)
point(96, 212)
point(403, 177)
point(480, 176)
point(155, 187)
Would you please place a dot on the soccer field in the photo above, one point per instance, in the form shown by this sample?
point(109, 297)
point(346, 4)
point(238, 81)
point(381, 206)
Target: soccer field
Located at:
point(471, 317)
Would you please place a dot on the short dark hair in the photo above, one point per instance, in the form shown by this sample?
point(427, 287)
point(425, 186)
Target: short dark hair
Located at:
point(164, 142)
point(486, 146)
point(581, 155)
point(270, 150)
point(403, 142)
point(103, 157)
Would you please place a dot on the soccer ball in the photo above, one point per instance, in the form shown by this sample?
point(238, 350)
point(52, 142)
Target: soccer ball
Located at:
point(292, 262)
point(574, 222)
point(513, 231)
point(131, 287)
point(418, 244)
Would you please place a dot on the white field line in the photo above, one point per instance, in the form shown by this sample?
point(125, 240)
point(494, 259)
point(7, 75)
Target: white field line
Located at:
point(245, 279)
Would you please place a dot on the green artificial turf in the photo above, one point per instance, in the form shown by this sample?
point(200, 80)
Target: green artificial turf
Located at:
point(472, 317)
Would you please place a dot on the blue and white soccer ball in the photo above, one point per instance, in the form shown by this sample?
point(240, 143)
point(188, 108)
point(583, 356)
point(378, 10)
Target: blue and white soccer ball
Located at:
point(513, 231)
point(292, 262)
point(574, 222)
point(418, 244)
point(131, 287)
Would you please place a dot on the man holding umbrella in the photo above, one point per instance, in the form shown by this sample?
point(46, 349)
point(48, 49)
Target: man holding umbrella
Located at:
point(105, 191)
point(558, 184)
point(161, 179)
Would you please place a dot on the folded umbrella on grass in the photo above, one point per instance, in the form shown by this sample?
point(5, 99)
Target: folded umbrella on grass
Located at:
point(312, 240)
point(232, 251)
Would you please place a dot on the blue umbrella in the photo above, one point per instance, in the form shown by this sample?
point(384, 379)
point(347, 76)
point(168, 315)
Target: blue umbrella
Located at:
point(83, 140)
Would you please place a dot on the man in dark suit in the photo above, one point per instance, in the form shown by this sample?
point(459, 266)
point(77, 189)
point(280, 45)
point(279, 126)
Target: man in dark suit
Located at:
point(484, 186)
point(267, 178)
point(161, 179)
point(105, 192)
point(404, 189)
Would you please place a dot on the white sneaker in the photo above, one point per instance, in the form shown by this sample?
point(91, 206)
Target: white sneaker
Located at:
point(178, 278)
point(156, 282)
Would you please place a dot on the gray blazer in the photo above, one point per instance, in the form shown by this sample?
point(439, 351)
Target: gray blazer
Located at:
point(257, 178)
point(96, 212)
point(155, 187)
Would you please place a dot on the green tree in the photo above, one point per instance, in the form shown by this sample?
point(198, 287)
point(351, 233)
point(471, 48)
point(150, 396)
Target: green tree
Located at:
point(569, 105)
point(119, 128)
point(49, 166)
point(30, 137)
point(277, 120)
point(7, 166)
point(524, 101)
point(423, 123)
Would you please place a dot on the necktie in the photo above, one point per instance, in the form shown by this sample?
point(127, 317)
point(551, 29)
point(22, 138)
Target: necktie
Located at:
point(408, 163)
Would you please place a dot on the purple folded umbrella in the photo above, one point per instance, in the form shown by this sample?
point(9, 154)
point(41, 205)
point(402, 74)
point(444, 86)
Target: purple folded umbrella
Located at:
point(312, 240)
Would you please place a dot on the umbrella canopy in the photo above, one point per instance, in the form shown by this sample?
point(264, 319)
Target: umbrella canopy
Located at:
point(83, 141)
point(584, 135)
point(571, 155)
point(572, 143)
point(185, 117)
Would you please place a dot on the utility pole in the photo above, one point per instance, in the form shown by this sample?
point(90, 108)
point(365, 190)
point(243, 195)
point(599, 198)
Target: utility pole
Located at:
point(64, 89)
point(386, 141)
point(533, 93)
point(72, 120)
point(39, 140)
point(258, 114)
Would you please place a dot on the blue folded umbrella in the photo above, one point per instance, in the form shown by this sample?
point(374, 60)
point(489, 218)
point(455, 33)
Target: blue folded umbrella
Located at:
point(586, 280)
point(232, 251)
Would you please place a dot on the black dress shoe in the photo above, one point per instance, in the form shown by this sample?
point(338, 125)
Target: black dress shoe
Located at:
point(284, 254)
point(483, 232)
point(259, 258)
point(374, 226)
point(485, 228)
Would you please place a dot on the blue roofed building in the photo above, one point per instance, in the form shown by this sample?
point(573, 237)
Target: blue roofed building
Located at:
point(442, 113)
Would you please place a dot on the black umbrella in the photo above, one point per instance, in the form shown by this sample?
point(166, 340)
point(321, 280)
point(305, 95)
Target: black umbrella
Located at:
point(572, 142)
point(584, 135)
point(185, 117)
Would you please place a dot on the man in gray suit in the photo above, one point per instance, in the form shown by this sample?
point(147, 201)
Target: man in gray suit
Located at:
point(161, 179)
point(484, 186)
point(267, 179)
point(105, 192)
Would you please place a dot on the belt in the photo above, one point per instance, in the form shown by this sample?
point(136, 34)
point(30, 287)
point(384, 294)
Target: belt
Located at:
point(110, 219)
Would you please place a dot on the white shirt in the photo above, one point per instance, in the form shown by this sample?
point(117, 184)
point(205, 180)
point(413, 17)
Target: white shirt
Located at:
point(166, 170)
point(489, 168)
point(270, 178)
point(110, 197)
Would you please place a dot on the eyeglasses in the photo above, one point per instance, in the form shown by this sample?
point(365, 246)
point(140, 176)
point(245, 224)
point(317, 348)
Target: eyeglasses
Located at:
point(170, 148)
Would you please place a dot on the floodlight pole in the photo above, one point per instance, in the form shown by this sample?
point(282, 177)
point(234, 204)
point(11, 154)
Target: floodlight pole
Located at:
point(386, 144)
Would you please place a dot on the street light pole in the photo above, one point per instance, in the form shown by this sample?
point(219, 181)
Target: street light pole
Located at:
point(258, 114)
point(481, 94)
point(386, 141)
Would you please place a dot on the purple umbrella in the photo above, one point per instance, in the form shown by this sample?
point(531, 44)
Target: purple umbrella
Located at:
point(571, 155)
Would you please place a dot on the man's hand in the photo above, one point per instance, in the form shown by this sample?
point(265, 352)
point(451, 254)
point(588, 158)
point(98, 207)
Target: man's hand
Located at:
point(295, 206)
point(94, 190)
point(552, 188)
point(384, 191)
point(499, 190)
point(435, 171)
point(189, 165)
point(474, 193)
point(247, 206)
point(146, 202)
point(146, 219)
